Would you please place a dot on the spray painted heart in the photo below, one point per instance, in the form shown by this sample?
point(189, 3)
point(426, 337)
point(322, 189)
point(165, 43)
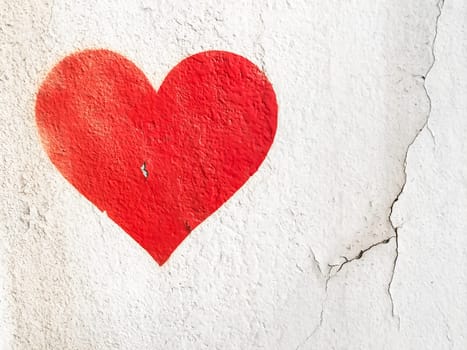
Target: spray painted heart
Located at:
point(159, 163)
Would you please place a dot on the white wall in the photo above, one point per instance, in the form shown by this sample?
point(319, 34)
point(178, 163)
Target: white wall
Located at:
point(279, 265)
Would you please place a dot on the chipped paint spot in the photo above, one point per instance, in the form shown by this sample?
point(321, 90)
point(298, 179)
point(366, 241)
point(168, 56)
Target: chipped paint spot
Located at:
point(144, 170)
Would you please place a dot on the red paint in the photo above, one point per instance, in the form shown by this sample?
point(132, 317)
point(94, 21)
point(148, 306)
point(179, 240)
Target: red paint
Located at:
point(201, 136)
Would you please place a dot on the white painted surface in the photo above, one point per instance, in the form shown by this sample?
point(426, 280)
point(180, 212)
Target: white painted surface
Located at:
point(430, 284)
point(265, 270)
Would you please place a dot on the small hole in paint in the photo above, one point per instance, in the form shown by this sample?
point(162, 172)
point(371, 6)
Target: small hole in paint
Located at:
point(187, 227)
point(144, 170)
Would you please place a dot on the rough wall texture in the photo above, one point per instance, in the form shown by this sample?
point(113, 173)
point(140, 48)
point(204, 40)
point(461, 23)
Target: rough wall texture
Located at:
point(351, 235)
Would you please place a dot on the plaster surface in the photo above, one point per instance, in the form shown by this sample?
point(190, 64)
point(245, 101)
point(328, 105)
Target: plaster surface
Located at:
point(351, 235)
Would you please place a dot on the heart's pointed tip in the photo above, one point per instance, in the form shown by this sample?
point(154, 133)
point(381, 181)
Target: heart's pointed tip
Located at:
point(160, 262)
point(160, 259)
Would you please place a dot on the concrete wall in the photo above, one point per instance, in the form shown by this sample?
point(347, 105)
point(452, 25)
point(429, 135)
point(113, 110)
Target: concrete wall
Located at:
point(352, 233)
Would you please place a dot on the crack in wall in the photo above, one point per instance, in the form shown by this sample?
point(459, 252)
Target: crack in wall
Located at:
point(395, 228)
point(425, 125)
point(259, 40)
point(321, 315)
point(315, 260)
point(330, 275)
point(360, 255)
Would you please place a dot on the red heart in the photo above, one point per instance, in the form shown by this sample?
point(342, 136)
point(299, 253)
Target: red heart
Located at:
point(158, 163)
